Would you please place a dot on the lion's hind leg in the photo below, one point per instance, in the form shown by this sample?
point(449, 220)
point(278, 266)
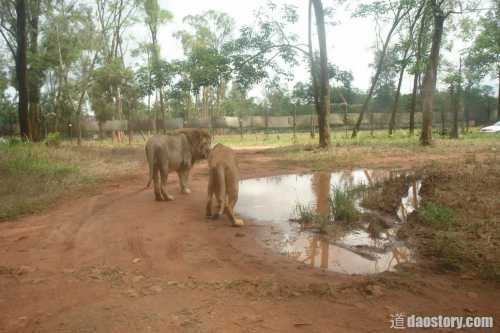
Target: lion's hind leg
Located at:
point(163, 166)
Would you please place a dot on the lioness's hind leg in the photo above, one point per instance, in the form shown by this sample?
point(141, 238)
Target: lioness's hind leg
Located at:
point(231, 202)
point(210, 192)
point(220, 192)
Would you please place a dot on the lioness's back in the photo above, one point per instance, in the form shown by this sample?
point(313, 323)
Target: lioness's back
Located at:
point(223, 155)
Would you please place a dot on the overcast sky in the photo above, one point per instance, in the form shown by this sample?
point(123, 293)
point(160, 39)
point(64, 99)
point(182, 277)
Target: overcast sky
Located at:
point(349, 43)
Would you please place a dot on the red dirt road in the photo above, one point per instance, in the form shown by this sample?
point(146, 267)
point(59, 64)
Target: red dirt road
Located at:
point(121, 262)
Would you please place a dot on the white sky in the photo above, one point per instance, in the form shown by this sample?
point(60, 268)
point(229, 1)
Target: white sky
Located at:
point(350, 42)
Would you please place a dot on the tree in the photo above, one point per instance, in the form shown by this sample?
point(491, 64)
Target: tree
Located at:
point(399, 10)
point(155, 16)
point(454, 80)
point(323, 87)
point(208, 44)
point(404, 49)
point(484, 56)
point(13, 22)
point(441, 10)
point(419, 48)
point(35, 70)
point(113, 17)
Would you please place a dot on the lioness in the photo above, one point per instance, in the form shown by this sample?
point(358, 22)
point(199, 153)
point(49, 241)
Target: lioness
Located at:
point(175, 152)
point(223, 177)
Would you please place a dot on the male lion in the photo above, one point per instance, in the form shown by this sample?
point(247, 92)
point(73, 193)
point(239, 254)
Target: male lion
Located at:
point(175, 152)
point(223, 177)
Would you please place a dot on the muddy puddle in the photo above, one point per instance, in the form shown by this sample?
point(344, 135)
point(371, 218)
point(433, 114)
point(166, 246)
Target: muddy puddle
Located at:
point(272, 202)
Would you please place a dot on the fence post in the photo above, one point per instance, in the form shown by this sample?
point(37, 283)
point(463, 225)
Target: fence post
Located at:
point(294, 123)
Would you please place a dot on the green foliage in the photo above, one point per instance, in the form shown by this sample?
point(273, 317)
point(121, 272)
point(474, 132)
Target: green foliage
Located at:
point(438, 216)
point(342, 205)
point(265, 46)
point(53, 139)
point(341, 209)
point(484, 56)
point(307, 216)
point(107, 79)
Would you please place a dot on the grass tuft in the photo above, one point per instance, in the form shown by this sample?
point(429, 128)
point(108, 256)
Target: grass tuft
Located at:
point(437, 215)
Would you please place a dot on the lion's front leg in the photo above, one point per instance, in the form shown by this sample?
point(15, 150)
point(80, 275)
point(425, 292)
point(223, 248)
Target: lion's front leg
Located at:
point(183, 180)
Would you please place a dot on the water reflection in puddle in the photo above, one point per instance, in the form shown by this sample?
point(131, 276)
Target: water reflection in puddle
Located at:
point(271, 201)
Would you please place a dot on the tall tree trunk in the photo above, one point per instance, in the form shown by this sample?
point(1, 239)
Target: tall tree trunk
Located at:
point(395, 107)
point(380, 63)
point(22, 69)
point(413, 102)
point(314, 72)
point(457, 105)
point(82, 96)
point(162, 110)
point(324, 85)
point(430, 77)
point(34, 74)
point(498, 97)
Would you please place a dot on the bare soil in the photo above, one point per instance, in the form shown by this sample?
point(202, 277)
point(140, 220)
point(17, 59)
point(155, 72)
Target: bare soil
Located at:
point(118, 261)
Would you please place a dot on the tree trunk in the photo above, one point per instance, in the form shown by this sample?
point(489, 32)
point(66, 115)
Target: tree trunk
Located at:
point(457, 105)
point(22, 69)
point(413, 102)
point(34, 75)
point(395, 108)
point(314, 73)
point(162, 110)
point(377, 73)
point(498, 97)
point(418, 58)
point(430, 77)
point(324, 85)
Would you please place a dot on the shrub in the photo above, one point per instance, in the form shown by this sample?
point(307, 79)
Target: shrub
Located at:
point(53, 139)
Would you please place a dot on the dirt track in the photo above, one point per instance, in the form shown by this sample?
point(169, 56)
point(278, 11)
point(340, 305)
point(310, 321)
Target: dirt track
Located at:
point(121, 262)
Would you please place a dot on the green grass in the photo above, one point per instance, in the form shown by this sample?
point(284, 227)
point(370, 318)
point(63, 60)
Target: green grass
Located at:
point(342, 211)
point(34, 176)
point(400, 138)
point(437, 216)
point(307, 216)
point(342, 205)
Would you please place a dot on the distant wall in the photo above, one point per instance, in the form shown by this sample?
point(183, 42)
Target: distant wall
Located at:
point(377, 120)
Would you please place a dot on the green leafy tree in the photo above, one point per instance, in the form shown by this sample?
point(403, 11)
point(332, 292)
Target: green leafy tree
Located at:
point(397, 10)
point(484, 56)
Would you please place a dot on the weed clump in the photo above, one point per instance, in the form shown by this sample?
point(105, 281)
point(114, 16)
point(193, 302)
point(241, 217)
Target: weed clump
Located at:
point(437, 215)
point(343, 205)
point(342, 211)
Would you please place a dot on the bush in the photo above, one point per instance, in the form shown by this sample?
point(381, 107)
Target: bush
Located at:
point(53, 139)
point(14, 140)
